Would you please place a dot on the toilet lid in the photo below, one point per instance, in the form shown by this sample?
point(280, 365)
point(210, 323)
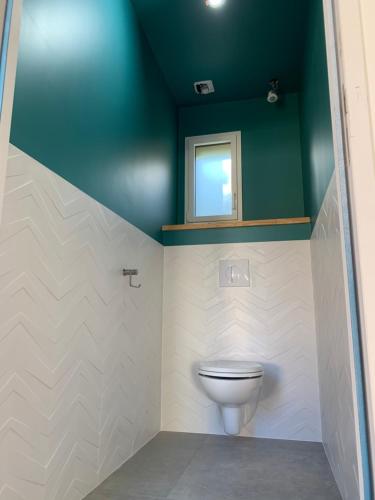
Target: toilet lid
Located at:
point(235, 367)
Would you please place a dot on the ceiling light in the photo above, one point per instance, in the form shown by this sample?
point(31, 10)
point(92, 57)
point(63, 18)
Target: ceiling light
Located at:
point(215, 4)
point(274, 94)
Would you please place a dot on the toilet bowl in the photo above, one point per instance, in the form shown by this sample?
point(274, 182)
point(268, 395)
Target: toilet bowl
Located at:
point(232, 385)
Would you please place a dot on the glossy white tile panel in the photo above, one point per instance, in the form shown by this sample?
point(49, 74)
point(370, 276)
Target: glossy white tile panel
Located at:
point(271, 322)
point(80, 351)
point(333, 338)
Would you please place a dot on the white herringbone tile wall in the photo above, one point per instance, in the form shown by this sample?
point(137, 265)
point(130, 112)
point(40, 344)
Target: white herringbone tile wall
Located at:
point(336, 373)
point(272, 322)
point(80, 350)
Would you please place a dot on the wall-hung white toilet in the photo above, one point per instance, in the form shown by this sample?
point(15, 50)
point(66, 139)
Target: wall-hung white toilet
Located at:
point(232, 385)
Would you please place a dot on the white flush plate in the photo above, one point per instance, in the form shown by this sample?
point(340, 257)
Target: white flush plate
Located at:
point(234, 273)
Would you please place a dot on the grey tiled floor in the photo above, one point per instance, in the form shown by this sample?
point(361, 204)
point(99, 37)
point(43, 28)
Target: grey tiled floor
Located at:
point(178, 466)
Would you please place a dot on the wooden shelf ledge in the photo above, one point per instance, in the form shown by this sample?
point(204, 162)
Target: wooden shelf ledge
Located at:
point(242, 223)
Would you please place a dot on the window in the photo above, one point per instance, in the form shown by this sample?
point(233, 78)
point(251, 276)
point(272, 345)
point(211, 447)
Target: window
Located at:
point(213, 177)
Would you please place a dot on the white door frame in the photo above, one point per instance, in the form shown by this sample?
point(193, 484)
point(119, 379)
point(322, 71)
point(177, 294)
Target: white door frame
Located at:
point(8, 93)
point(350, 34)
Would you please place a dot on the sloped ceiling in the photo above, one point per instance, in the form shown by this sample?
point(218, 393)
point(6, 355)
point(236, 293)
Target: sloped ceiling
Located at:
point(240, 46)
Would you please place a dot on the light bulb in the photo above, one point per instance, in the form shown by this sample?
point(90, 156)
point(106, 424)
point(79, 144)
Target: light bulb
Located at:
point(215, 4)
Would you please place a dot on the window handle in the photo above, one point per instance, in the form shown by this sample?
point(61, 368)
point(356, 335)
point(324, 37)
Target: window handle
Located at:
point(234, 201)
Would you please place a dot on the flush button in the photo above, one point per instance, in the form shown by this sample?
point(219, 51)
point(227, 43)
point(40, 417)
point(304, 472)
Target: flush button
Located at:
point(234, 273)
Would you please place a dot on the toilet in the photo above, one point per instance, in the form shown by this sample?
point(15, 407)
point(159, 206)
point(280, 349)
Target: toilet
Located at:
point(232, 385)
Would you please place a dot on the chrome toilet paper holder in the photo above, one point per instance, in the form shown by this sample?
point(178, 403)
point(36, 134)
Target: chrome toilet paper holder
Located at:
point(131, 273)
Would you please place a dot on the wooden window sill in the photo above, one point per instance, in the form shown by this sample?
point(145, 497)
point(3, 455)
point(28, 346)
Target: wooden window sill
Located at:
point(245, 223)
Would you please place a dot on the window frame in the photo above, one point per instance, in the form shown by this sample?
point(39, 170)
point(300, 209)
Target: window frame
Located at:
point(234, 138)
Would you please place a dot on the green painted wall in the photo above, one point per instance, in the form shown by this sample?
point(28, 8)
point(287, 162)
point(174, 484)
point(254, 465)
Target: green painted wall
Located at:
point(316, 129)
point(92, 105)
point(271, 155)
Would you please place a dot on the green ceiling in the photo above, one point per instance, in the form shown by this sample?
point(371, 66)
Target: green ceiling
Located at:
point(240, 46)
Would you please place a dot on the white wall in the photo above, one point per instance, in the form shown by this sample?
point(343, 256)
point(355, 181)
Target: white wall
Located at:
point(272, 322)
point(367, 9)
point(336, 371)
point(80, 351)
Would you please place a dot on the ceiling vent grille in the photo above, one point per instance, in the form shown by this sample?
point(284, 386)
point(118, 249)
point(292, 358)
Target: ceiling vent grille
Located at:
point(204, 87)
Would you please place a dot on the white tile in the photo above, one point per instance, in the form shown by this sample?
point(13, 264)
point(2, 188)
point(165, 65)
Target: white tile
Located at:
point(80, 356)
point(13, 151)
point(271, 322)
point(333, 331)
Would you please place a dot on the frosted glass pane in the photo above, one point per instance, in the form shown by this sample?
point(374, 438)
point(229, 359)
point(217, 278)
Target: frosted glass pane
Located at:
point(213, 180)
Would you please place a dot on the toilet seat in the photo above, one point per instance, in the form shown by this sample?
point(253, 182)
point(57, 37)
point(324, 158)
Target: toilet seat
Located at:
point(230, 369)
